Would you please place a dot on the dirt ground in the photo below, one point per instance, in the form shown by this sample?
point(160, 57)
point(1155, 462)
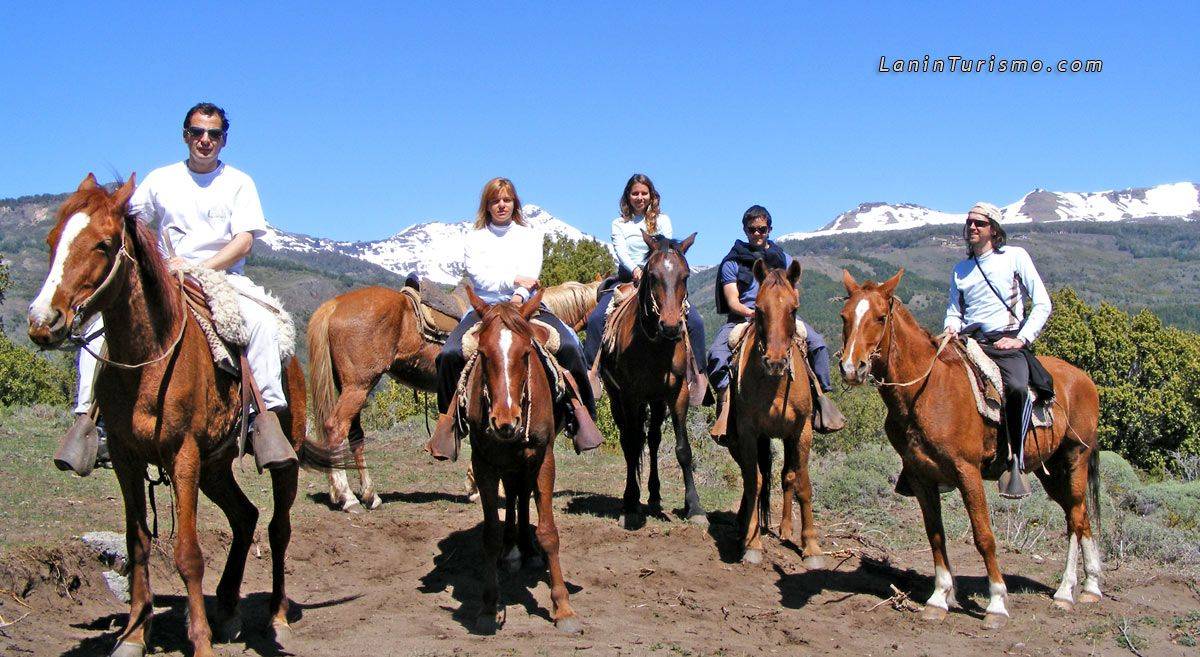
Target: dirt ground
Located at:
point(403, 580)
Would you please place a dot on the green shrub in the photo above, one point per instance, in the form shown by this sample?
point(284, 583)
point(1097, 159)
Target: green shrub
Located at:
point(391, 403)
point(27, 378)
point(865, 413)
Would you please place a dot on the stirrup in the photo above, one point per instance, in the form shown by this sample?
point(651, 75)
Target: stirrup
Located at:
point(720, 427)
point(79, 448)
point(827, 417)
point(1013, 484)
point(272, 451)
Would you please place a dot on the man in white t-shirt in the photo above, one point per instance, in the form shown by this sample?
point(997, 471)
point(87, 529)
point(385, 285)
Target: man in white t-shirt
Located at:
point(209, 215)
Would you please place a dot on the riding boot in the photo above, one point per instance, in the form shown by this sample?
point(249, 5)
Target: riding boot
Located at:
point(827, 418)
point(903, 486)
point(1012, 483)
point(720, 425)
point(272, 449)
point(585, 435)
point(443, 444)
point(79, 447)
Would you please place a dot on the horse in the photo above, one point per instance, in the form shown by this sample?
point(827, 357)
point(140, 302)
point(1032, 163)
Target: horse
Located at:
point(934, 424)
point(357, 337)
point(772, 398)
point(512, 423)
point(643, 365)
point(165, 404)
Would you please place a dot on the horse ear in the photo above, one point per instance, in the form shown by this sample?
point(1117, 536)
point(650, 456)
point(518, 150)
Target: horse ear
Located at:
point(759, 269)
point(888, 287)
point(649, 240)
point(793, 272)
point(852, 285)
point(88, 183)
point(478, 304)
point(530, 307)
point(121, 197)
point(687, 243)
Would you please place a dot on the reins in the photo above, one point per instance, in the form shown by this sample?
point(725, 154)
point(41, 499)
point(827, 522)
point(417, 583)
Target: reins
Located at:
point(945, 339)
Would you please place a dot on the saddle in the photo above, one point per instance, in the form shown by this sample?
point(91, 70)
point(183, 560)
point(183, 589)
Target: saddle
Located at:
point(988, 388)
point(436, 324)
point(213, 303)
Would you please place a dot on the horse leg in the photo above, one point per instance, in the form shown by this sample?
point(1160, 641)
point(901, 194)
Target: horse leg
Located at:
point(279, 532)
point(565, 618)
point(943, 595)
point(337, 428)
point(512, 526)
point(633, 441)
point(487, 620)
point(658, 411)
point(188, 558)
point(368, 497)
point(1067, 485)
point(788, 476)
point(525, 532)
point(745, 452)
point(765, 458)
point(221, 487)
point(692, 509)
point(971, 486)
point(133, 639)
point(813, 554)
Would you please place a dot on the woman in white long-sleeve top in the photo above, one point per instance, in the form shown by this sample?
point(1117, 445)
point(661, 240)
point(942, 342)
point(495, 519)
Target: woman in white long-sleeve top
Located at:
point(639, 212)
point(503, 262)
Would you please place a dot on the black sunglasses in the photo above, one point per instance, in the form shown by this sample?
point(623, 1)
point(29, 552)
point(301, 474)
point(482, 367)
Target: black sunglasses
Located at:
point(758, 230)
point(214, 134)
point(979, 223)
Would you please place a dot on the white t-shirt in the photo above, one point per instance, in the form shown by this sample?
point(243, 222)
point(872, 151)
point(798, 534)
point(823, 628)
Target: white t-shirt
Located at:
point(627, 239)
point(200, 212)
point(496, 255)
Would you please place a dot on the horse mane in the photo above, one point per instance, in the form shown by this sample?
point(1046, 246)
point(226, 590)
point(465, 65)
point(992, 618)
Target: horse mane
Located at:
point(158, 284)
point(509, 315)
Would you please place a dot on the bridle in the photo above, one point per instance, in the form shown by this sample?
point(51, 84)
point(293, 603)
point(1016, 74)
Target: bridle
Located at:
point(526, 398)
point(650, 311)
point(88, 307)
point(761, 342)
point(890, 328)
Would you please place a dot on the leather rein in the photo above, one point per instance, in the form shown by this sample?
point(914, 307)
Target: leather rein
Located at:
point(887, 362)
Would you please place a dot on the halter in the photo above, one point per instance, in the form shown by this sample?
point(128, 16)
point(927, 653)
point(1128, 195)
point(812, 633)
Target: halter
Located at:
point(85, 310)
point(887, 361)
point(654, 311)
point(761, 345)
point(526, 398)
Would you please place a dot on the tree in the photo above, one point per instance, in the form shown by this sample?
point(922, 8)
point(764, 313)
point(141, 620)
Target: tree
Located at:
point(26, 378)
point(566, 260)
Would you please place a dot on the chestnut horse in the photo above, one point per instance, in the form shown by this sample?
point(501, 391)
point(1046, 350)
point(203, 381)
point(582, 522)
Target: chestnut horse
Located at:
point(512, 423)
point(771, 398)
point(644, 369)
point(174, 409)
point(942, 439)
point(357, 337)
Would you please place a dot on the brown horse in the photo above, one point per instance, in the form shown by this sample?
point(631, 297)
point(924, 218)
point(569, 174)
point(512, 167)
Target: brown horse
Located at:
point(174, 409)
point(644, 369)
point(512, 423)
point(357, 337)
point(933, 423)
point(771, 398)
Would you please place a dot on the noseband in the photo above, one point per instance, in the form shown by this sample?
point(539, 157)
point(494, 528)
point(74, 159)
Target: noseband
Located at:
point(891, 329)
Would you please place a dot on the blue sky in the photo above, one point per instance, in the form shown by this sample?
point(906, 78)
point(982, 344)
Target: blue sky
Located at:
point(359, 119)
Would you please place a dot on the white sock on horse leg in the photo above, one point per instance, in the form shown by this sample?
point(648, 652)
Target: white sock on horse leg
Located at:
point(999, 594)
point(943, 589)
point(1092, 566)
point(1066, 589)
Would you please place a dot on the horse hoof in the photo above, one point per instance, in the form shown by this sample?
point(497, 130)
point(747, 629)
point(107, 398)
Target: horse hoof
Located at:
point(699, 520)
point(632, 521)
point(815, 562)
point(569, 625)
point(1065, 605)
point(128, 650)
point(283, 632)
point(486, 624)
point(752, 557)
point(353, 507)
point(933, 613)
point(1086, 598)
point(229, 630)
point(995, 621)
point(372, 503)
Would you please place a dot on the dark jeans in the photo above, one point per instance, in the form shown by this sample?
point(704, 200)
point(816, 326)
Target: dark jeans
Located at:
point(451, 361)
point(720, 355)
point(1014, 373)
point(594, 332)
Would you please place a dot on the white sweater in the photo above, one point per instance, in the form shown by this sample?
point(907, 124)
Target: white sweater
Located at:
point(627, 239)
point(496, 255)
point(1013, 275)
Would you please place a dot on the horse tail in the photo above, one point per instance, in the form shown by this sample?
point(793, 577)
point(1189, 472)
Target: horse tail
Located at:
point(1094, 488)
point(320, 367)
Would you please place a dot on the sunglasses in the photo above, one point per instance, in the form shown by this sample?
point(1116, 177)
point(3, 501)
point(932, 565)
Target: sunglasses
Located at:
point(758, 230)
point(979, 223)
point(214, 134)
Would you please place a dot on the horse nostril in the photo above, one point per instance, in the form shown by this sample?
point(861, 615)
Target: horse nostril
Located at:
point(58, 323)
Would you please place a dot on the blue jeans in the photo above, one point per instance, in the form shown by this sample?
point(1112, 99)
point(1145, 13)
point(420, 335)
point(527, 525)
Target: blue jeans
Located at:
point(594, 332)
point(720, 355)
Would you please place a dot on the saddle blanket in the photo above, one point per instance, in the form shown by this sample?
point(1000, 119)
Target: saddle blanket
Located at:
point(988, 387)
point(227, 326)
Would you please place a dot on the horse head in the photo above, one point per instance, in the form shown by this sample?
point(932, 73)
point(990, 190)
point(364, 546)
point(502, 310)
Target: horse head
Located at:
point(865, 319)
point(507, 359)
point(86, 247)
point(662, 292)
point(775, 314)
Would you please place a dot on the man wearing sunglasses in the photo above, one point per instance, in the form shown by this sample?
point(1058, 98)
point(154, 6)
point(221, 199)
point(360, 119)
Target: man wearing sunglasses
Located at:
point(986, 302)
point(209, 215)
point(736, 291)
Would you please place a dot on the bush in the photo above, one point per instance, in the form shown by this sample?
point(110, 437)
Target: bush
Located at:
point(391, 403)
point(564, 260)
point(865, 413)
point(26, 378)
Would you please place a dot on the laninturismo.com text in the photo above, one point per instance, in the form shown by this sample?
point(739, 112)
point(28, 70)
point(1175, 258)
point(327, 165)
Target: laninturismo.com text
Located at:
point(990, 64)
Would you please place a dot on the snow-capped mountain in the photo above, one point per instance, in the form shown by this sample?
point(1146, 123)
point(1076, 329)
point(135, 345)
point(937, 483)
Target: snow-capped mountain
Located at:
point(434, 249)
point(1171, 201)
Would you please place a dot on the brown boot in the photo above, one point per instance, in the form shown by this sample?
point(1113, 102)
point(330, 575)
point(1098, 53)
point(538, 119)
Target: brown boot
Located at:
point(79, 447)
point(443, 444)
point(586, 435)
point(272, 449)
point(721, 426)
point(827, 418)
